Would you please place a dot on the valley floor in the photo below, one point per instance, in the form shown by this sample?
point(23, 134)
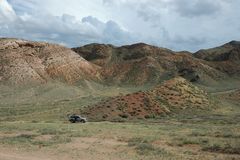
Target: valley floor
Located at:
point(190, 138)
point(42, 132)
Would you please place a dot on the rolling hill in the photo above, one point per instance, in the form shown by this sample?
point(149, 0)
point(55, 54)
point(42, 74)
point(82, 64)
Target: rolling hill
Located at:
point(225, 58)
point(140, 64)
point(167, 98)
point(170, 81)
point(25, 62)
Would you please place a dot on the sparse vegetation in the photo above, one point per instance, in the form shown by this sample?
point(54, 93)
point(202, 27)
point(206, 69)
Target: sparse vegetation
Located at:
point(227, 148)
point(145, 147)
point(174, 120)
point(27, 140)
point(166, 138)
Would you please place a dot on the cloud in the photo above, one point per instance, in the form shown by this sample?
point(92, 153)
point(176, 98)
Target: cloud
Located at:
point(109, 32)
point(6, 12)
point(64, 29)
point(197, 8)
point(175, 24)
point(149, 14)
point(192, 42)
point(112, 33)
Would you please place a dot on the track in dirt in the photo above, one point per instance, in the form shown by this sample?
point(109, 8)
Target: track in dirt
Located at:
point(226, 92)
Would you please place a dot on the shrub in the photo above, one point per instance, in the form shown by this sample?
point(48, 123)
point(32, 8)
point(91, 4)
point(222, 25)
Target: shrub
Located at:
point(123, 115)
point(144, 147)
point(227, 149)
point(149, 116)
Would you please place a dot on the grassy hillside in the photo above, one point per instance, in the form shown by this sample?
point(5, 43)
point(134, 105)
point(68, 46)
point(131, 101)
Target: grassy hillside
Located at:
point(53, 101)
point(168, 98)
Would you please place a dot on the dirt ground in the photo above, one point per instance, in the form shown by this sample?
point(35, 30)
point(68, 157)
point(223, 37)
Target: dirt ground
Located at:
point(86, 148)
point(116, 141)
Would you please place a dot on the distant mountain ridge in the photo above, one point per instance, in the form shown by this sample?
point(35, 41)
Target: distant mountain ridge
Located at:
point(226, 52)
point(141, 63)
point(225, 58)
point(25, 62)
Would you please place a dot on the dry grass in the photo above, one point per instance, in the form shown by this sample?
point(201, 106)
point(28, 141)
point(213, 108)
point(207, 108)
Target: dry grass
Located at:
point(166, 138)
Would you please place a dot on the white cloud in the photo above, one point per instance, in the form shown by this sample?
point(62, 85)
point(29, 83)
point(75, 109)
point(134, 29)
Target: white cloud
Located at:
point(180, 24)
point(6, 12)
point(64, 29)
point(177, 24)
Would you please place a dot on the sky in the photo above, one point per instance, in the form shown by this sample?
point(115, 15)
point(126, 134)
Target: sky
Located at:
point(175, 24)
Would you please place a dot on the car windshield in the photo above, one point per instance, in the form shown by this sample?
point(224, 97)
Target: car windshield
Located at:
point(74, 116)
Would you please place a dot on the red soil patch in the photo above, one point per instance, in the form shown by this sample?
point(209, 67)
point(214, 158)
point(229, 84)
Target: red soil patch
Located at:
point(173, 94)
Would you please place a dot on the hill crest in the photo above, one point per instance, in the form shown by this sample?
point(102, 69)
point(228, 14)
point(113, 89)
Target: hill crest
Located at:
point(24, 62)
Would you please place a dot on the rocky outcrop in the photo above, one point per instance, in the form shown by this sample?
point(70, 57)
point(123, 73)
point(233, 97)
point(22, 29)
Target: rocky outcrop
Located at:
point(25, 62)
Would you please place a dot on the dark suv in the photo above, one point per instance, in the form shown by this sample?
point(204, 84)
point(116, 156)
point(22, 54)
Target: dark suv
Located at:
point(76, 118)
